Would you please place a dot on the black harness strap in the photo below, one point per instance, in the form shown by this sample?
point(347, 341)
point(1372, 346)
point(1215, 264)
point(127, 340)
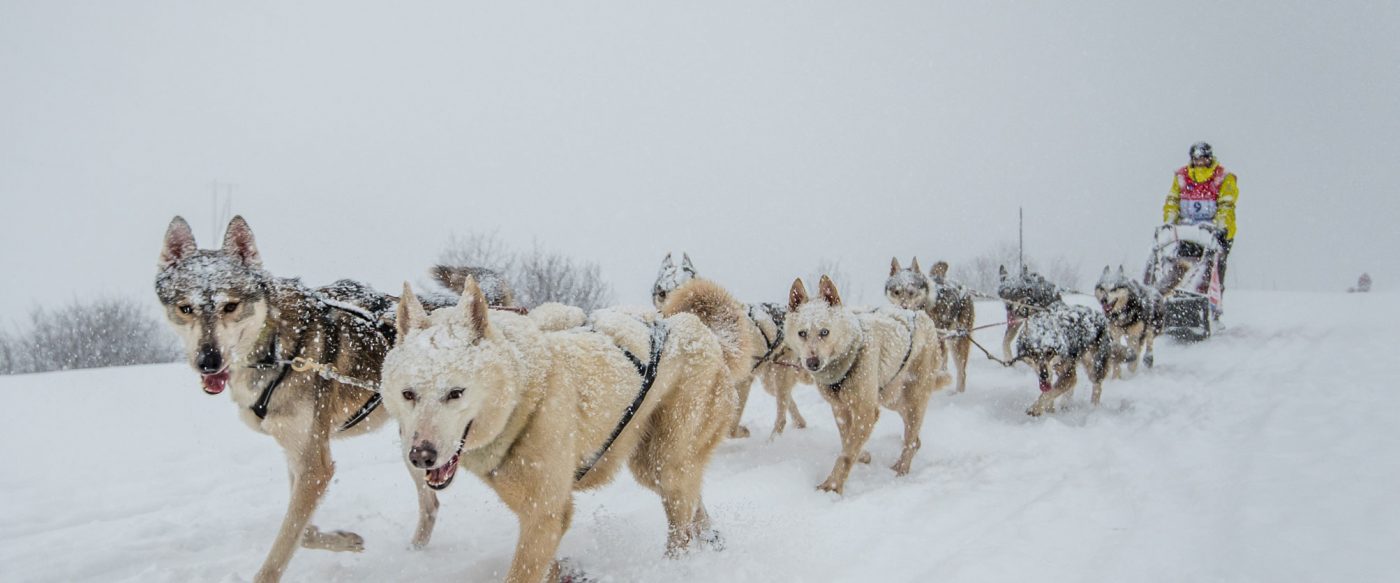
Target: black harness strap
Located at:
point(365, 410)
point(913, 323)
point(259, 407)
point(770, 344)
point(659, 332)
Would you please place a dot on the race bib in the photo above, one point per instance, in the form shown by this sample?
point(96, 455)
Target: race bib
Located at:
point(1198, 210)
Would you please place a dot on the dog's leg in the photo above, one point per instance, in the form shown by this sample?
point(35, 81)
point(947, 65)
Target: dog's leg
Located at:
point(309, 460)
point(855, 419)
point(912, 412)
point(534, 552)
point(1011, 330)
point(1136, 335)
point(427, 508)
point(1064, 383)
point(962, 348)
point(1149, 336)
point(739, 431)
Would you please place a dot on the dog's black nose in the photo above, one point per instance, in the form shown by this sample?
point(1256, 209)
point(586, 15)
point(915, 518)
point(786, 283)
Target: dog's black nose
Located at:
point(423, 455)
point(813, 363)
point(210, 361)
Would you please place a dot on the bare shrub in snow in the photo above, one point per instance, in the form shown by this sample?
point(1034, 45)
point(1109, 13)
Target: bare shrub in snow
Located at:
point(104, 332)
point(982, 273)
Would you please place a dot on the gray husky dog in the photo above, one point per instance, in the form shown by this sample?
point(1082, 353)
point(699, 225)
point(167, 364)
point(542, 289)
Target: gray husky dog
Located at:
point(1055, 340)
point(771, 358)
point(1023, 295)
point(948, 304)
point(301, 365)
point(1136, 313)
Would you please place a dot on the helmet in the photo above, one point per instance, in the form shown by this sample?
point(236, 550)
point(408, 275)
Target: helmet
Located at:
point(1201, 150)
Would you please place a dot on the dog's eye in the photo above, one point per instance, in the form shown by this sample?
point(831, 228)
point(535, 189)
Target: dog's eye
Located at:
point(455, 394)
point(824, 333)
point(230, 307)
point(186, 309)
point(801, 333)
point(409, 395)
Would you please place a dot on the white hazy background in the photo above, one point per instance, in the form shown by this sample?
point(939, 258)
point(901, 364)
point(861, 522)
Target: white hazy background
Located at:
point(761, 137)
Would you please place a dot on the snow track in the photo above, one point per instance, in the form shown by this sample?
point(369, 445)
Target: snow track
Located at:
point(1268, 453)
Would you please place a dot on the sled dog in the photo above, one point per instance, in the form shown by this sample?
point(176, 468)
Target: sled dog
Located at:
point(1135, 312)
point(1023, 295)
point(1054, 341)
point(498, 291)
point(948, 304)
point(242, 328)
point(863, 361)
point(537, 415)
point(772, 362)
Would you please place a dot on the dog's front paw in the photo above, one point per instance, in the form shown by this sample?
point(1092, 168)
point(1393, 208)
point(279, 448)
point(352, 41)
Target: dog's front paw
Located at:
point(739, 432)
point(864, 457)
point(711, 538)
point(901, 467)
point(569, 572)
point(336, 540)
point(831, 485)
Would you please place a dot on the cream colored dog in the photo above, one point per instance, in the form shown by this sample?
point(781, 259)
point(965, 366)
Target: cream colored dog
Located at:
point(537, 415)
point(861, 362)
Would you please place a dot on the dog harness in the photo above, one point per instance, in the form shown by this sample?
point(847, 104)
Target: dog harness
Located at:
point(302, 364)
point(773, 344)
point(659, 332)
point(913, 327)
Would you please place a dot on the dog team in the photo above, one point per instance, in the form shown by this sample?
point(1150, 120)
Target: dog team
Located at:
point(544, 402)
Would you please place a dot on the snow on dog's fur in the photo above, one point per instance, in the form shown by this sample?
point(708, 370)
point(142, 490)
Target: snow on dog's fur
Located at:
point(240, 326)
point(531, 412)
point(861, 362)
point(949, 305)
point(1055, 340)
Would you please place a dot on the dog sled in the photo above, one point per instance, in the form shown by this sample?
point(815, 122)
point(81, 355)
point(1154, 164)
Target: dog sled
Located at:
point(1185, 267)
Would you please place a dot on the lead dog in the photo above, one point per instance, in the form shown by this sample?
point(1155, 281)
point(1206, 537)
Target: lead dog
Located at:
point(242, 328)
point(537, 415)
point(863, 361)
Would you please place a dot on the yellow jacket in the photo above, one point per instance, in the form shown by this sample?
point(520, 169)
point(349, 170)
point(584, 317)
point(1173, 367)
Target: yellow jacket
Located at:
point(1225, 203)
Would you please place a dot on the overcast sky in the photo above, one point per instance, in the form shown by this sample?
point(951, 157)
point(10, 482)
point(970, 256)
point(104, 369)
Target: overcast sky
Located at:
point(761, 137)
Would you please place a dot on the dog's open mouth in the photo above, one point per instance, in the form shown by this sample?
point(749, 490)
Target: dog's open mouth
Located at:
point(214, 383)
point(441, 476)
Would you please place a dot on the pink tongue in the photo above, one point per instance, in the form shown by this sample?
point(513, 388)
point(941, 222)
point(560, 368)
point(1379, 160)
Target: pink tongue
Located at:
point(1044, 386)
point(215, 383)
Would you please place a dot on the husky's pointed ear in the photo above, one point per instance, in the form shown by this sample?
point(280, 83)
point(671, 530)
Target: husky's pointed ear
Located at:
point(667, 263)
point(1001, 272)
point(473, 306)
point(914, 265)
point(797, 295)
point(1106, 269)
point(179, 243)
point(940, 270)
point(410, 314)
point(894, 266)
point(827, 290)
point(238, 241)
point(1121, 273)
point(686, 264)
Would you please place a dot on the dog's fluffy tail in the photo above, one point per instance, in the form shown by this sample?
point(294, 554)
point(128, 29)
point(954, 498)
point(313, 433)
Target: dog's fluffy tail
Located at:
point(721, 312)
point(497, 290)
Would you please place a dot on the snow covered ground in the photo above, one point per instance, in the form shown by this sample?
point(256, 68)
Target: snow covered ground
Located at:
point(1269, 453)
